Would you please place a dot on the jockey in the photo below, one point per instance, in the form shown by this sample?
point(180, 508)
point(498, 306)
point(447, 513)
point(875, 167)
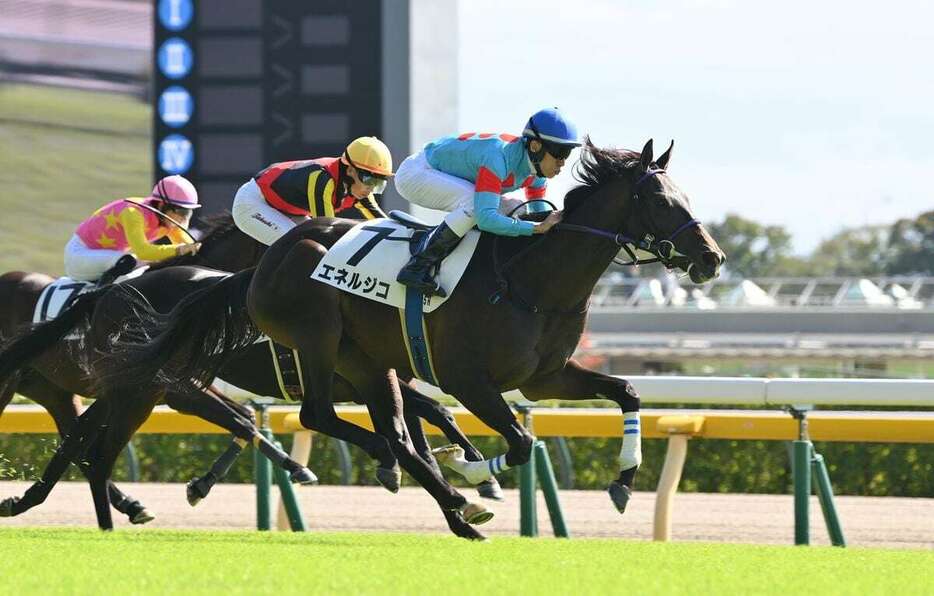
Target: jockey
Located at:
point(467, 175)
point(288, 193)
point(109, 243)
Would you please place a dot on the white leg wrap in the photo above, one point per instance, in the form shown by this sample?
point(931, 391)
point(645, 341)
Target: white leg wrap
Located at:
point(631, 452)
point(476, 472)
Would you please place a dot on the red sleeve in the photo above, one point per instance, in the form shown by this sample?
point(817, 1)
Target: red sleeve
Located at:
point(487, 181)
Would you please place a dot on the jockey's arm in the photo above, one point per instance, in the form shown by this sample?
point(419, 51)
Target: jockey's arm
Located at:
point(488, 188)
point(370, 208)
point(177, 236)
point(536, 190)
point(133, 225)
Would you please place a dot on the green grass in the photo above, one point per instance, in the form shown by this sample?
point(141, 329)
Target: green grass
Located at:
point(84, 561)
point(63, 154)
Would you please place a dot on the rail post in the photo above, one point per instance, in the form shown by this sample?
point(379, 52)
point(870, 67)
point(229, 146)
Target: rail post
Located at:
point(546, 477)
point(825, 495)
point(528, 516)
point(289, 500)
point(801, 476)
point(262, 470)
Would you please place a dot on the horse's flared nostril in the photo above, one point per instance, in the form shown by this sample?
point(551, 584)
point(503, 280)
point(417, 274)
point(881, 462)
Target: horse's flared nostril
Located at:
point(713, 260)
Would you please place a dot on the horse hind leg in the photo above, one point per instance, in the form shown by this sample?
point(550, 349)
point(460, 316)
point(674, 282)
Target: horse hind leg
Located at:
point(64, 408)
point(73, 445)
point(383, 397)
point(455, 519)
point(434, 413)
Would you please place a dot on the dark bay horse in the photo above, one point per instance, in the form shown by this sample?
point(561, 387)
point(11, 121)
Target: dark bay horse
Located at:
point(42, 350)
point(54, 385)
point(512, 325)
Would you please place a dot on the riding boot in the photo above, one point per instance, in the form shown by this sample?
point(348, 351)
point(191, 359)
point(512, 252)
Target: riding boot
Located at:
point(124, 265)
point(418, 273)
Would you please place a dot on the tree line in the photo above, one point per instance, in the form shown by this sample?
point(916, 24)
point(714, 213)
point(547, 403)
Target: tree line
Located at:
point(905, 247)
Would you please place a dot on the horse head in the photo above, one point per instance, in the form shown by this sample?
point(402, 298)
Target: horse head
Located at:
point(648, 209)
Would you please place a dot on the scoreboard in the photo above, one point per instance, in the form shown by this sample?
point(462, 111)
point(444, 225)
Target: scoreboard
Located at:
point(240, 84)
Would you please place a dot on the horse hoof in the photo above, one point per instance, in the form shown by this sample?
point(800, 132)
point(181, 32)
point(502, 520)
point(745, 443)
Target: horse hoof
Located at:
point(143, 517)
point(194, 493)
point(619, 494)
point(303, 476)
point(390, 478)
point(6, 506)
point(475, 514)
point(490, 489)
point(448, 454)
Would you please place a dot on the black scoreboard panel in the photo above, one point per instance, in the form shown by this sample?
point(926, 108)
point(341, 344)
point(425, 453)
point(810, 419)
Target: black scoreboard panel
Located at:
point(240, 84)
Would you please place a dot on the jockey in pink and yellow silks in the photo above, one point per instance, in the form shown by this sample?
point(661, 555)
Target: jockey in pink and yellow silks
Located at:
point(121, 233)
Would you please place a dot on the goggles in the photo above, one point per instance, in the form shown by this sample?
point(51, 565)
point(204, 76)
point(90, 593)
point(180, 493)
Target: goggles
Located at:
point(375, 181)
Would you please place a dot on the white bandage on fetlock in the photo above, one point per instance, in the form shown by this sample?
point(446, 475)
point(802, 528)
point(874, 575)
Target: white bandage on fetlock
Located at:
point(476, 472)
point(631, 452)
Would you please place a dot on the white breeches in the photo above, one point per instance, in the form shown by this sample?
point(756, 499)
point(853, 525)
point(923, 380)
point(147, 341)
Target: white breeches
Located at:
point(425, 186)
point(88, 264)
point(258, 219)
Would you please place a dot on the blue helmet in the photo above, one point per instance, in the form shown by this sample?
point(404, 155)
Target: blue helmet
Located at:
point(551, 126)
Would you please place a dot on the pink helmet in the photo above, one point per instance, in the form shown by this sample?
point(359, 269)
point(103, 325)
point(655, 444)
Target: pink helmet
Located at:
point(176, 190)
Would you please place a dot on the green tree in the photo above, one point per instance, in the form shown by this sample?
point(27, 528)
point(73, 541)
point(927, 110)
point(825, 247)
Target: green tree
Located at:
point(911, 246)
point(753, 249)
point(851, 252)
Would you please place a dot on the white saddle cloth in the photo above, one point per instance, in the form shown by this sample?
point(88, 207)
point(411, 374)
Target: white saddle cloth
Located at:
point(366, 260)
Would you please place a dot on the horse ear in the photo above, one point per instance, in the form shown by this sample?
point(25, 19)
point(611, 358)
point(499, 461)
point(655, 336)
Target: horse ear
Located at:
point(662, 161)
point(647, 155)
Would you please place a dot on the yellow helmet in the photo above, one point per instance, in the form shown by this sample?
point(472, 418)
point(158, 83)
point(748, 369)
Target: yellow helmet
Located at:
point(370, 154)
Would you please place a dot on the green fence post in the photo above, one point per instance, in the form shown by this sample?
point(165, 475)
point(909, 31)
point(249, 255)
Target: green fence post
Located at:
point(801, 466)
point(262, 472)
point(825, 495)
point(289, 500)
point(132, 463)
point(528, 516)
point(546, 476)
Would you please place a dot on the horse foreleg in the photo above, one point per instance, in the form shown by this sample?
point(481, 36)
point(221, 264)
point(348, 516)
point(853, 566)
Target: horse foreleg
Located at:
point(418, 404)
point(217, 409)
point(487, 404)
point(576, 382)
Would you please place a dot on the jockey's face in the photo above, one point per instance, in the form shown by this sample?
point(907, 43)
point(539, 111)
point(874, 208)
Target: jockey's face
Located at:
point(549, 165)
point(364, 185)
point(180, 216)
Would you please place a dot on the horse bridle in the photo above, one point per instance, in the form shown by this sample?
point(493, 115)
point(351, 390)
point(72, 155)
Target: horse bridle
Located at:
point(664, 249)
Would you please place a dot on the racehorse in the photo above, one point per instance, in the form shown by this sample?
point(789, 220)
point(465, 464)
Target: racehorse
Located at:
point(56, 386)
point(253, 370)
point(516, 318)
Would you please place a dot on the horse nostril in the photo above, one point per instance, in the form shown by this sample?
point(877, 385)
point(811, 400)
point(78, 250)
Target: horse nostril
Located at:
point(713, 259)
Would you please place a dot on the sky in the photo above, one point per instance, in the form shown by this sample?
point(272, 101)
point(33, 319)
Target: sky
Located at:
point(811, 115)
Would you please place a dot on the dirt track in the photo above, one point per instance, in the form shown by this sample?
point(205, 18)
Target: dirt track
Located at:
point(867, 521)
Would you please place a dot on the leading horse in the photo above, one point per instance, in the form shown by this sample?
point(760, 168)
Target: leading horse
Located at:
point(507, 326)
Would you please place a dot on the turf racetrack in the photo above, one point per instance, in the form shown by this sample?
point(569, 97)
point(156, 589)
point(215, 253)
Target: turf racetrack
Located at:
point(58, 561)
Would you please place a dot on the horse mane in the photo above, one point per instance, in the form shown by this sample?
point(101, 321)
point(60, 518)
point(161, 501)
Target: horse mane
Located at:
point(596, 167)
point(213, 228)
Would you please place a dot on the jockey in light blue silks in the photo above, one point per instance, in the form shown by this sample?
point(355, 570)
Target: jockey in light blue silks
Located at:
point(467, 176)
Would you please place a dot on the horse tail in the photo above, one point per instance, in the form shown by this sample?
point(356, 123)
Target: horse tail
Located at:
point(33, 341)
point(186, 347)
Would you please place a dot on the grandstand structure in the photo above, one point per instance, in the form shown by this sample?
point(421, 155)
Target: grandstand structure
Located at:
point(842, 325)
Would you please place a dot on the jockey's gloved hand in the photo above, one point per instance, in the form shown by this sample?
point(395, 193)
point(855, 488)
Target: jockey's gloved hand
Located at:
point(188, 249)
point(551, 221)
